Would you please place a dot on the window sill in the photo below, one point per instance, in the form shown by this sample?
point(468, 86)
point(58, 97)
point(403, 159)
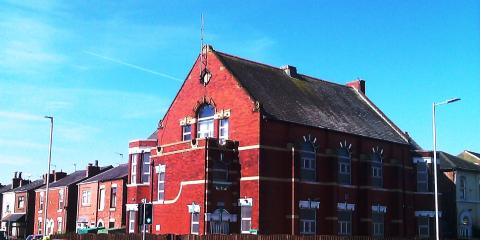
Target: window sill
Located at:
point(59, 210)
point(112, 209)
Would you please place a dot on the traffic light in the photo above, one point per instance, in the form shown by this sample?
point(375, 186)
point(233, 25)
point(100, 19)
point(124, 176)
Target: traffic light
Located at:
point(145, 208)
point(148, 213)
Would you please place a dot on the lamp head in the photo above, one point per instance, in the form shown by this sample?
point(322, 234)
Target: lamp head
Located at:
point(453, 100)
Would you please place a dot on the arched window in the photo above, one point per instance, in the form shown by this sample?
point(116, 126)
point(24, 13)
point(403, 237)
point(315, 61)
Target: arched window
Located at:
point(344, 164)
point(205, 121)
point(307, 161)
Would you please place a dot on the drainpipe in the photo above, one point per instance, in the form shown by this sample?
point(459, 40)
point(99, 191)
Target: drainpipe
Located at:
point(293, 191)
point(150, 227)
point(206, 188)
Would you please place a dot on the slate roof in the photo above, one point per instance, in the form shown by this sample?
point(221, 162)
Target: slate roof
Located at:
point(6, 188)
point(310, 101)
point(153, 135)
point(450, 162)
point(477, 155)
point(73, 178)
point(115, 173)
point(31, 186)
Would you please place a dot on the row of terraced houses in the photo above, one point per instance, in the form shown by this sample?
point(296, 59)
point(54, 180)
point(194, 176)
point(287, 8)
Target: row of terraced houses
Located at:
point(249, 148)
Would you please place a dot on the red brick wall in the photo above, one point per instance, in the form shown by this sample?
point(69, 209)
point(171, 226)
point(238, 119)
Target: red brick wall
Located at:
point(117, 213)
point(88, 212)
point(53, 209)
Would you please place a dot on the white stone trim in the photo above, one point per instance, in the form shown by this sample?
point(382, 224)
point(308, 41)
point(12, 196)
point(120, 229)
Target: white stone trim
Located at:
point(379, 208)
point(427, 214)
point(193, 208)
point(245, 202)
point(131, 207)
point(422, 159)
point(114, 185)
point(346, 206)
point(139, 150)
point(308, 204)
point(183, 183)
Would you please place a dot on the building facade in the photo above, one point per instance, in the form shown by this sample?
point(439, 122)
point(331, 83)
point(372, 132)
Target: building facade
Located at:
point(250, 148)
point(62, 202)
point(102, 199)
point(460, 187)
point(12, 223)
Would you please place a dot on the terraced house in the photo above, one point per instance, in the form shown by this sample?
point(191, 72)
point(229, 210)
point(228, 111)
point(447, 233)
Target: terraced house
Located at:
point(102, 200)
point(250, 148)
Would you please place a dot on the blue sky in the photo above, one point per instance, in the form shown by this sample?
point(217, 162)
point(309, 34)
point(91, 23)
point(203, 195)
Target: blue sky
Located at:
point(107, 71)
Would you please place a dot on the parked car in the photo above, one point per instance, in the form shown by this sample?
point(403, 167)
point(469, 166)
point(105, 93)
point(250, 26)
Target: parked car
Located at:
point(34, 236)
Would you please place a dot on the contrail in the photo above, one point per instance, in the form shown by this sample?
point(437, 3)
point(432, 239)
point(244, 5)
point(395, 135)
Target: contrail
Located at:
point(133, 66)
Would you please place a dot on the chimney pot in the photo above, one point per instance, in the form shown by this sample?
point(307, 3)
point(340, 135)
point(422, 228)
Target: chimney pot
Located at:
point(290, 70)
point(358, 84)
point(96, 163)
point(20, 175)
point(15, 175)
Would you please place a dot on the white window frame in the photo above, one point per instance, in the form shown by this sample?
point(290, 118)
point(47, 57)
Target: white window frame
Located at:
point(207, 131)
point(101, 201)
point(131, 221)
point(113, 200)
point(424, 226)
point(246, 219)
point(192, 222)
point(146, 170)
point(463, 188)
point(86, 198)
point(60, 199)
point(41, 202)
point(59, 225)
point(308, 163)
point(22, 202)
point(185, 133)
point(345, 227)
point(422, 172)
point(377, 171)
point(133, 169)
point(308, 226)
point(378, 228)
point(161, 182)
point(223, 124)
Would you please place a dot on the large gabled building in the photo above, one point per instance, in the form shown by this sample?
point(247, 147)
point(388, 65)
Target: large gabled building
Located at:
point(250, 148)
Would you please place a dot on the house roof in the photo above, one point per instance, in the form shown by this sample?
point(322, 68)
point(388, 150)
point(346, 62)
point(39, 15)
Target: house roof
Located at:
point(477, 155)
point(114, 173)
point(73, 178)
point(153, 135)
point(31, 186)
point(6, 188)
point(450, 162)
point(310, 101)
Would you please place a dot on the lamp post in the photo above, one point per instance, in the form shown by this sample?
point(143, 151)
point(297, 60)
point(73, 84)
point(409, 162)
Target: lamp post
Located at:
point(437, 229)
point(48, 174)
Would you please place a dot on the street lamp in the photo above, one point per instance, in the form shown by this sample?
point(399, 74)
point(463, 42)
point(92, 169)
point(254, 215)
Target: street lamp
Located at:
point(48, 174)
point(437, 232)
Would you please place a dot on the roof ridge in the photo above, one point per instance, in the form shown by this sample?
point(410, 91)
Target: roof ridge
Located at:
point(280, 69)
point(381, 114)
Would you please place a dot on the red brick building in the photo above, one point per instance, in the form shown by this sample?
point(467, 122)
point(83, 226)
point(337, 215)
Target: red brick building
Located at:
point(62, 201)
point(250, 148)
point(102, 199)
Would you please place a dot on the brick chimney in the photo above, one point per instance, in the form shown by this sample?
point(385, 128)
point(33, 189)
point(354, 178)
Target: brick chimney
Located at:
point(16, 180)
point(290, 70)
point(358, 84)
point(92, 170)
point(59, 175)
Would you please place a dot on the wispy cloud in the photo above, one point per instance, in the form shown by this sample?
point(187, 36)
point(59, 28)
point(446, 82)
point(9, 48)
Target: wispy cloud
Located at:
point(14, 160)
point(132, 66)
point(20, 116)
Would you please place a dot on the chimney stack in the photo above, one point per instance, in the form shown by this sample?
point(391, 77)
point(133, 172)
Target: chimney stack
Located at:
point(290, 70)
point(92, 170)
point(16, 181)
point(59, 175)
point(358, 84)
